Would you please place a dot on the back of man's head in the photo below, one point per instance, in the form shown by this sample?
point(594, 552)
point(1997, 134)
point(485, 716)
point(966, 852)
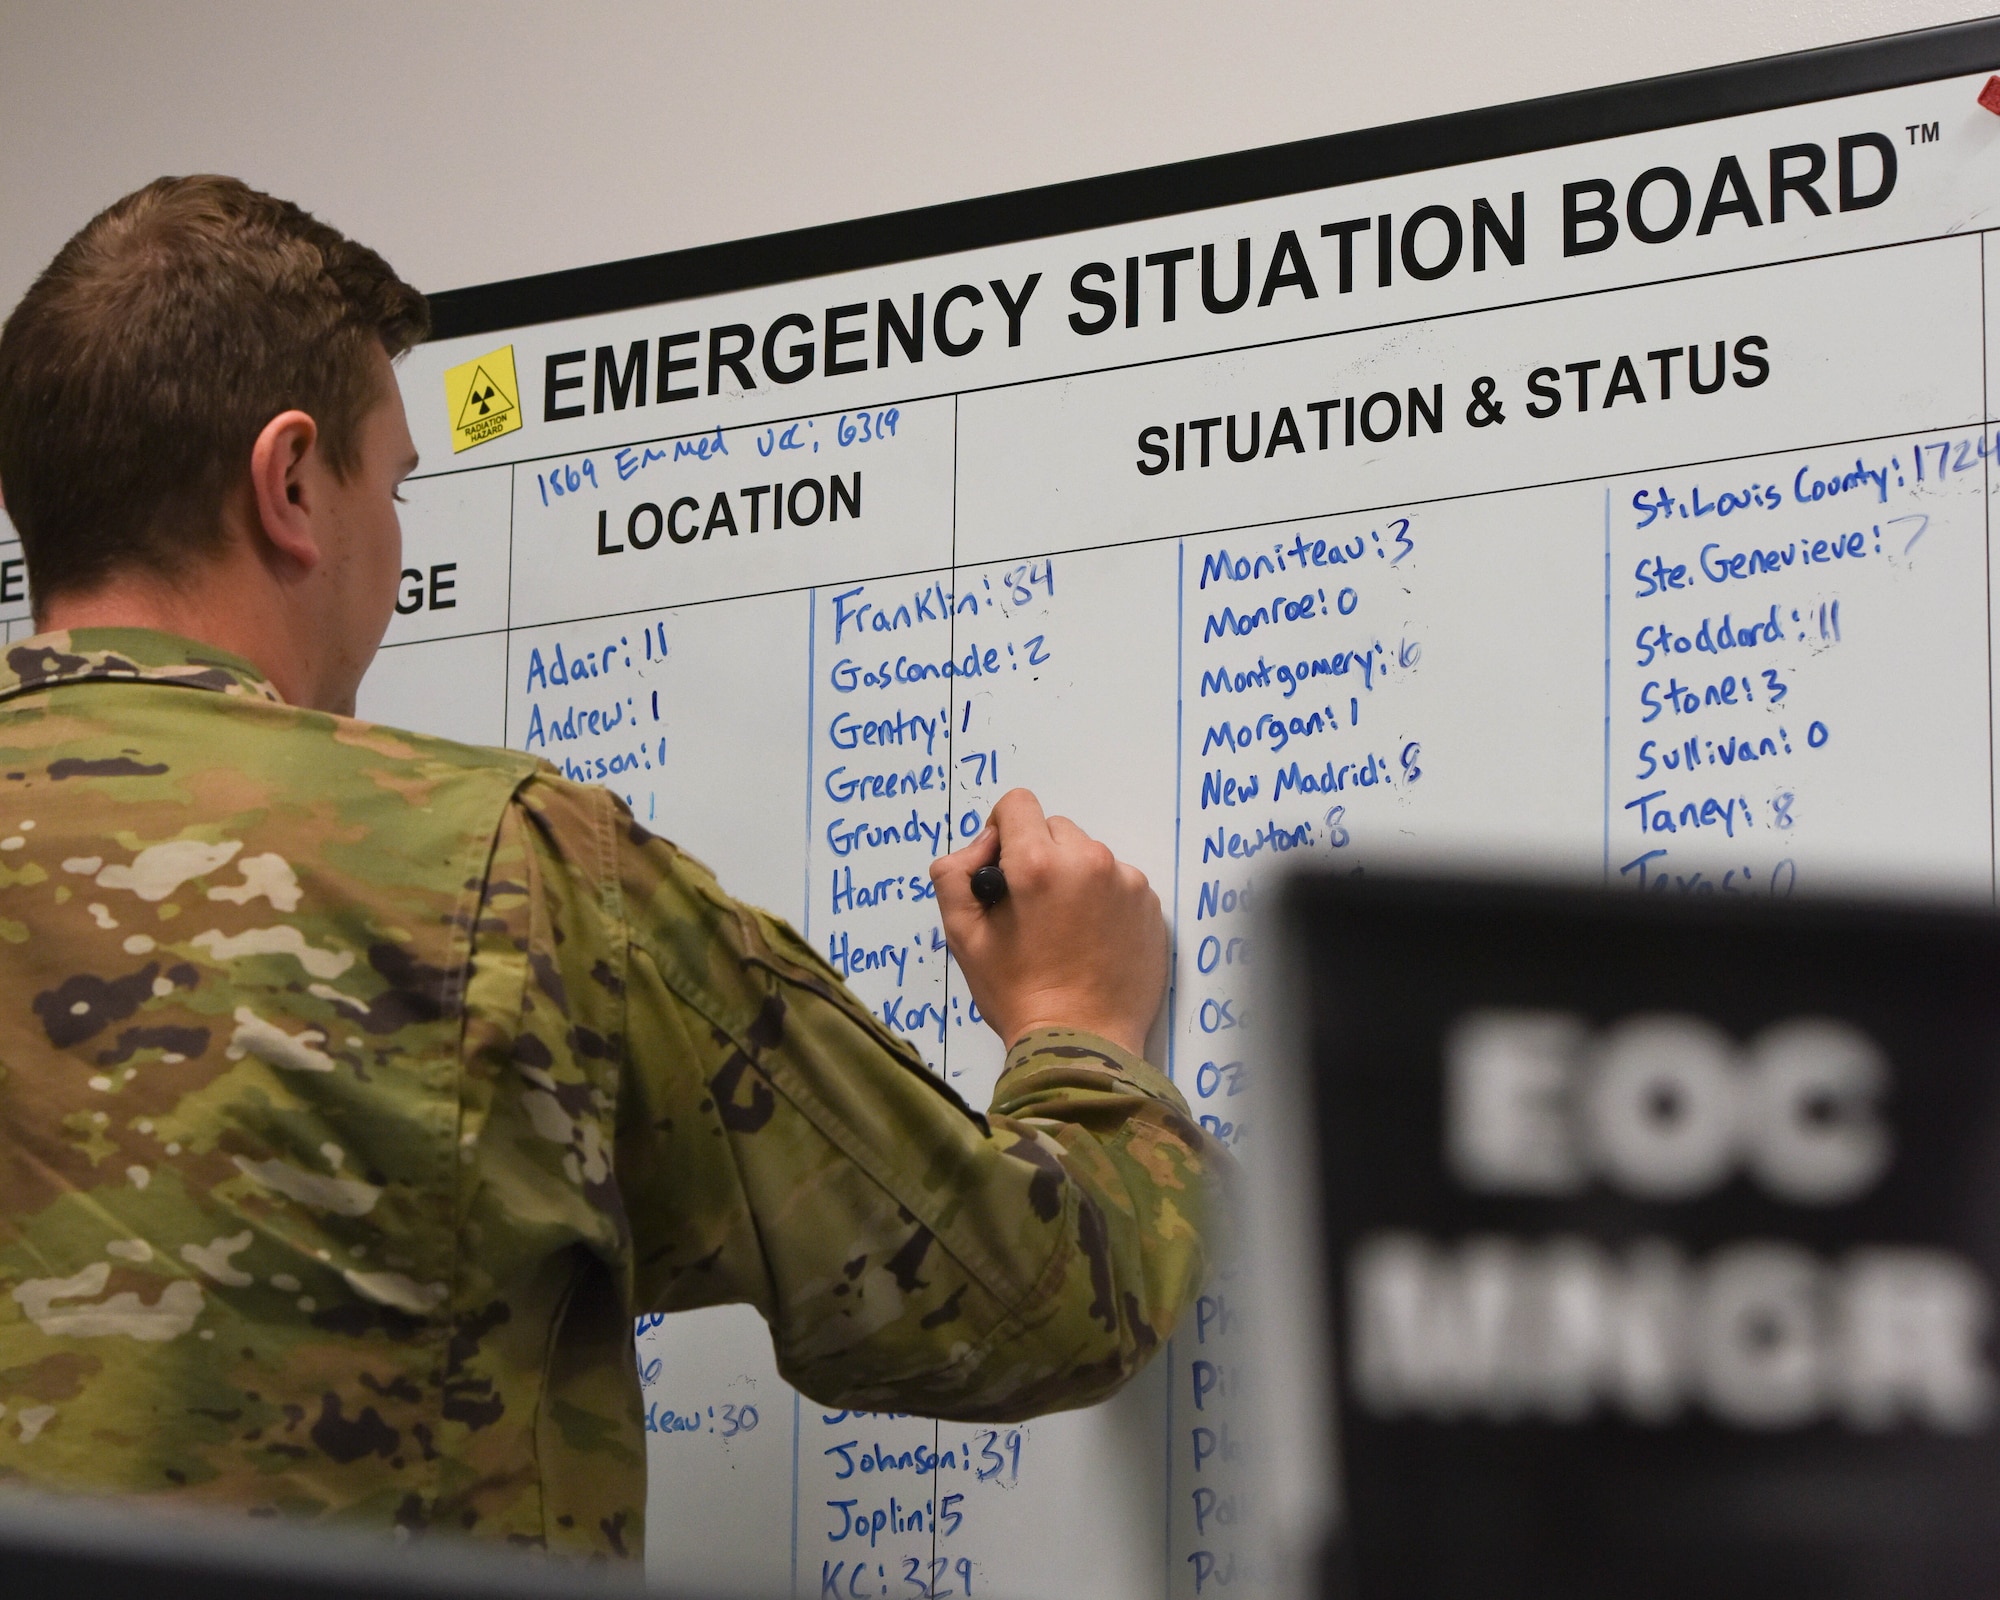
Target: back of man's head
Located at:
point(137, 371)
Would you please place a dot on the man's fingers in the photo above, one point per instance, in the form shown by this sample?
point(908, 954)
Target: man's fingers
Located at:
point(1017, 816)
point(957, 903)
point(1080, 852)
point(983, 851)
point(952, 875)
point(1079, 941)
point(1015, 823)
point(1067, 835)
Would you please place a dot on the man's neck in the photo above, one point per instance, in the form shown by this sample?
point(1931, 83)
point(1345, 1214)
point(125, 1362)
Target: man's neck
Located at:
point(215, 609)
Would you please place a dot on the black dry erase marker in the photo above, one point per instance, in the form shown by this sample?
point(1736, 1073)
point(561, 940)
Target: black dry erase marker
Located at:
point(989, 885)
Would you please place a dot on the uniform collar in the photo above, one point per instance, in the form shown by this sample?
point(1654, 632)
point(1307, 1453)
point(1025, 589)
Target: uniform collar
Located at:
point(140, 655)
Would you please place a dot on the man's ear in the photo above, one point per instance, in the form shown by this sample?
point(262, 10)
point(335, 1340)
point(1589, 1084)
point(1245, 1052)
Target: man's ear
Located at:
point(285, 485)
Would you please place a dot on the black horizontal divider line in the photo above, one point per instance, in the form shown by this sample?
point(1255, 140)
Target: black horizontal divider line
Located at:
point(1375, 508)
point(1181, 357)
point(1644, 106)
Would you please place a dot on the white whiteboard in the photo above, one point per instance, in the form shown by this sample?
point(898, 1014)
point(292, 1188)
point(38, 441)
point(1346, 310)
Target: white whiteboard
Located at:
point(1502, 642)
point(1432, 642)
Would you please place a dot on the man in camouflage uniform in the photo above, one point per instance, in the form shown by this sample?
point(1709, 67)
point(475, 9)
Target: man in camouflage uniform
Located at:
point(358, 1088)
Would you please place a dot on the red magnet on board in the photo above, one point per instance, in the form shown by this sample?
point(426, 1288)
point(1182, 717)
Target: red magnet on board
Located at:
point(1989, 96)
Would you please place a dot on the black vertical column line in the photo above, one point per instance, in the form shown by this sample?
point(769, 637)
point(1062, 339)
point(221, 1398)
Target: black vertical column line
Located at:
point(507, 651)
point(951, 768)
point(812, 734)
point(951, 726)
point(1170, 1355)
point(805, 927)
point(1607, 682)
point(1986, 479)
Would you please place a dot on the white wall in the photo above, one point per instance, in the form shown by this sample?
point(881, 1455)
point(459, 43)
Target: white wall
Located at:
point(471, 140)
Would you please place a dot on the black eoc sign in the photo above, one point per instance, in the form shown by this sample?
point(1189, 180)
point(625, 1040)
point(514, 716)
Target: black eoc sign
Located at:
point(1664, 1239)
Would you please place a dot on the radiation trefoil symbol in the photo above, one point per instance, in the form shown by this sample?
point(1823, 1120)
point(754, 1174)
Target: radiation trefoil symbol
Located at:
point(482, 398)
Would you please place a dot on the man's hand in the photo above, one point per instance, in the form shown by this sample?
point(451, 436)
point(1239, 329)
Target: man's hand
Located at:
point(1079, 942)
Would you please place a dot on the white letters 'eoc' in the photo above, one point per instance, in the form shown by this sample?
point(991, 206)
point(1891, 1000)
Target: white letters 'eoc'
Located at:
point(1663, 1107)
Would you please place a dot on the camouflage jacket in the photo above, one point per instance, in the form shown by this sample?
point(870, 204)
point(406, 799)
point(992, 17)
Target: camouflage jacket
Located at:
point(358, 1088)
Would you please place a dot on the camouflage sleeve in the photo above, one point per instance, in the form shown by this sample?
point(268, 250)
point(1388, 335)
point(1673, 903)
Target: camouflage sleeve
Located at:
point(775, 1144)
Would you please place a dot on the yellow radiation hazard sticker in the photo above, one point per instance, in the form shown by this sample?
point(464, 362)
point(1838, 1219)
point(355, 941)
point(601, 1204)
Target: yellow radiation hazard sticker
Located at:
point(483, 399)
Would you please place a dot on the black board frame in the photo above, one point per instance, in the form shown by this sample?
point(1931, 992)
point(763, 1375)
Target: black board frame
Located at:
point(1863, 66)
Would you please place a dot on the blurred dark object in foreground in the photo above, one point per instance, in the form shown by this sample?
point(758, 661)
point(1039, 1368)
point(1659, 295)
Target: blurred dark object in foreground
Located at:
point(1661, 1239)
point(108, 1550)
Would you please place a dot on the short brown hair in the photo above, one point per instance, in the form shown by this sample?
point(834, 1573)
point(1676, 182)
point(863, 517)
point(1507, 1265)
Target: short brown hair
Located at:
point(137, 372)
